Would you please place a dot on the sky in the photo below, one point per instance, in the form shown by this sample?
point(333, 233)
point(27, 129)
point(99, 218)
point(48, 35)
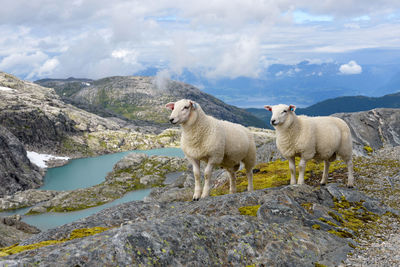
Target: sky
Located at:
point(219, 39)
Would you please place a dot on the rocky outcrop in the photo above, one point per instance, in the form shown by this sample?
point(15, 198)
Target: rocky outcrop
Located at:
point(286, 226)
point(13, 230)
point(374, 129)
point(16, 171)
point(143, 98)
point(26, 198)
point(39, 118)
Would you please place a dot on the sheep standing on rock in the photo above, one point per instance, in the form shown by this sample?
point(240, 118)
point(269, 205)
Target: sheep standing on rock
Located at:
point(217, 142)
point(321, 138)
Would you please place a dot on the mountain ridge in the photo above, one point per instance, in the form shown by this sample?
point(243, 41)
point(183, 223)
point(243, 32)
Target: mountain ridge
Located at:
point(143, 98)
point(343, 104)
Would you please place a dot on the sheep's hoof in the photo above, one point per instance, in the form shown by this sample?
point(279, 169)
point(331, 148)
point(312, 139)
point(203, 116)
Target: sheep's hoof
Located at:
point(350, 186)
point(196, 199)
point(322, 184)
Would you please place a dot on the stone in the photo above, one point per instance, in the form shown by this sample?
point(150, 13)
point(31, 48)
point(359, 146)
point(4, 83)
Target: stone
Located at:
point(211, 231)
point(16, 171)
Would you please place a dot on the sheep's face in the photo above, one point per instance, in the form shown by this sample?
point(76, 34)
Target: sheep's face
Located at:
point(281, 114)
point(181, 111)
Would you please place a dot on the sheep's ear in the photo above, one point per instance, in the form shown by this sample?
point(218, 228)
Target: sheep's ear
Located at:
point(292, 107)
point(170, 105)
point(268, 108)
point(193, 104)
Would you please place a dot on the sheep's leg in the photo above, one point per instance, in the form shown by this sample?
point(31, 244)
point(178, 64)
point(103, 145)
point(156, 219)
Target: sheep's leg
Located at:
point(197, 181)
point(249, 173)
point(207, 176)
point(292, 167)
point(350, 177)
point(232, 182)
point(325, 174)
point(302, 168)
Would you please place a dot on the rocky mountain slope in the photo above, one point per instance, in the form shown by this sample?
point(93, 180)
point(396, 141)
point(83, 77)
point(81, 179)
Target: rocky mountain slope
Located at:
point(16, 171)
point(140, 98)
point(272, 227)
point(276, 226)
point(39, 118)
point(374, 129)
point(34, 118)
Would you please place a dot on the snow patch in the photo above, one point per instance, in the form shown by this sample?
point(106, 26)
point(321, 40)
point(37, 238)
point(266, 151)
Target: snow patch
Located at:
point(41, 159)
point(2, 88)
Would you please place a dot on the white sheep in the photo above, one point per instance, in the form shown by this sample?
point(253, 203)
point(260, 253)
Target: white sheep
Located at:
point(320, 138)
point(217, 142)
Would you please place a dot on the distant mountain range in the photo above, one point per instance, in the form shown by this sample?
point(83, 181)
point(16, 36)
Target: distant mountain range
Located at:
point(139, 98)
point(337, 105)
point(302, 84)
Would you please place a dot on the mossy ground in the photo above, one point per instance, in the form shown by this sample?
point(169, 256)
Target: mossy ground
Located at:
point(368, 149)
point(353, 220)
point(249, 210)
point(276, 173)
point(77, 233)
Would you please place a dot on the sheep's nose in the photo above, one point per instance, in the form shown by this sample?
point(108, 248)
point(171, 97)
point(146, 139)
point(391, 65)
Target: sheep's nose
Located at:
point(171, 120)
point(273, 122)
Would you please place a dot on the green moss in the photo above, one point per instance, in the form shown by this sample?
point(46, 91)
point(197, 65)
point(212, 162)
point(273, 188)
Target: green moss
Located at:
point(249, 210)
point(319, 265)
point(69, 145)
point(308, 207)
point(77, 233)
point(274, 174)
point(351, 245)
point(352, 216)
point(327, 222)
point(336, 217)
point(83, 232)
point(341, 233)
point(316, 226)
point(368, 149)
point(355, 216)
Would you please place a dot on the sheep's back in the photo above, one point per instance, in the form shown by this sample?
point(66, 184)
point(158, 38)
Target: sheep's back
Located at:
point(238, 140)
point(329, 135)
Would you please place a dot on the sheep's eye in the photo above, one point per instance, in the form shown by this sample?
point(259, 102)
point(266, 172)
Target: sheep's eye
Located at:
point(284, 111)
point(186, 107)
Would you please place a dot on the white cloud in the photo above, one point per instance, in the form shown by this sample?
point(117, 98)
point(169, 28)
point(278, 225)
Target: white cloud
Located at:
point(161, 79)
point(350, 68)
point(241, 59)
point(48, 67)
point(126, 55)
point(225, 38)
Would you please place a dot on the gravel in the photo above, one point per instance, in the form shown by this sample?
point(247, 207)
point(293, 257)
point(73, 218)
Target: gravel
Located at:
point(380, 178)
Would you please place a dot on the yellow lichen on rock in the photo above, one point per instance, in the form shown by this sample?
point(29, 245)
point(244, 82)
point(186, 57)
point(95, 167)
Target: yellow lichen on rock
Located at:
point(249, 210)
point(274, 174)
point(77, 233)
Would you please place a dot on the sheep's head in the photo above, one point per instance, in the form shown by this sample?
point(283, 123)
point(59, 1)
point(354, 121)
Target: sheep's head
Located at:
point(281, 114)
point(182, 110)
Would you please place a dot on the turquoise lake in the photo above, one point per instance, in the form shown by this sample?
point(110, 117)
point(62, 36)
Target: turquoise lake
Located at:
point(86, 172)
point(82, 173)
